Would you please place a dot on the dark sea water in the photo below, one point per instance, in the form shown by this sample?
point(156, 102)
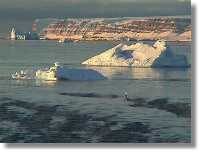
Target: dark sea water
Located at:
point(158, 107)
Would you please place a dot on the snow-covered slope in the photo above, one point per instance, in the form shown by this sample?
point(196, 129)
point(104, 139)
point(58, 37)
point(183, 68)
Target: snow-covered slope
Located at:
point(138, 55)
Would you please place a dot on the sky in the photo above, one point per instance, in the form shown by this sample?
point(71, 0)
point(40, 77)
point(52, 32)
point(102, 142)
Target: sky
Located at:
point(22, 12)
point(29, 9)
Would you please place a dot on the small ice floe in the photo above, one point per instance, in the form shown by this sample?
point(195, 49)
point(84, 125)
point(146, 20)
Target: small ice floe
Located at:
point(58, 72)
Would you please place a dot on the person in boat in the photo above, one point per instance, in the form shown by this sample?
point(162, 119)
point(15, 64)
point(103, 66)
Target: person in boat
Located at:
point(20, 75)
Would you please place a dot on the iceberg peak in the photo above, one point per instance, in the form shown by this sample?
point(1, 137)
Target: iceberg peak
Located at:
point(138, 55)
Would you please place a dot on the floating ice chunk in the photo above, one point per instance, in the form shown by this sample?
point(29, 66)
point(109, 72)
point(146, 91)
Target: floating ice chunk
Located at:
point(64, 73)
point(78, 74)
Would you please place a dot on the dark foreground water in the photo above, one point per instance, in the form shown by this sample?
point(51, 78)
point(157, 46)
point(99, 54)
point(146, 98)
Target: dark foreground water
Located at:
point(158, 107)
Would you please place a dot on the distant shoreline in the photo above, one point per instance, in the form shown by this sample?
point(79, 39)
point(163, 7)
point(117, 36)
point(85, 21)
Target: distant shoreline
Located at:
point(176, 28)
point(184, 41)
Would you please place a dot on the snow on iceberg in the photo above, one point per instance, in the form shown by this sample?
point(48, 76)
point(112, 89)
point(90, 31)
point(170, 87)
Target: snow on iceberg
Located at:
point(58, 72)
point(138, 55)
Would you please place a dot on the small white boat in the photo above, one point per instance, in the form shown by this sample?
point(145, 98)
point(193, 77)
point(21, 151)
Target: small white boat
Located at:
point(65, 41)
point(60, 41)
point(19, 75)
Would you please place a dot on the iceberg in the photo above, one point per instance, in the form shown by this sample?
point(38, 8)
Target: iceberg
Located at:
point(58, 72)
point(78, 74)
point(138, 55)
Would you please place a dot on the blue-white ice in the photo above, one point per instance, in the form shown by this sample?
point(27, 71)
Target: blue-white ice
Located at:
point(78, 74)
point(138, 55)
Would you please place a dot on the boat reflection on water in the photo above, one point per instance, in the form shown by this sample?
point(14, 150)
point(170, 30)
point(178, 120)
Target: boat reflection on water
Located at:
point(33, 83)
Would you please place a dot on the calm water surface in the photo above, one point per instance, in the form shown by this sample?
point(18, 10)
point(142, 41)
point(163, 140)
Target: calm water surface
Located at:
point(158, 109)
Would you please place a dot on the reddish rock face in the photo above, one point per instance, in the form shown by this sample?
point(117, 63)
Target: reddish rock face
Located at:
point(172, 29)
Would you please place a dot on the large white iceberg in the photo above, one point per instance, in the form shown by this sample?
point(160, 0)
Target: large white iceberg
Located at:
point(138, 55)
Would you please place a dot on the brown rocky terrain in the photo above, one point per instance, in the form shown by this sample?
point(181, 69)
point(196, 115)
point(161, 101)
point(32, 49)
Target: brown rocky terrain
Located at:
point(167, 28)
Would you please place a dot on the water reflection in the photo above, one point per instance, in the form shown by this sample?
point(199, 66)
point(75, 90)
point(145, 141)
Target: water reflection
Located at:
point(45, 83)
point(127, 72)
point(123, 73)
point(143, 73)
point(110, 72)
point(33, 83)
